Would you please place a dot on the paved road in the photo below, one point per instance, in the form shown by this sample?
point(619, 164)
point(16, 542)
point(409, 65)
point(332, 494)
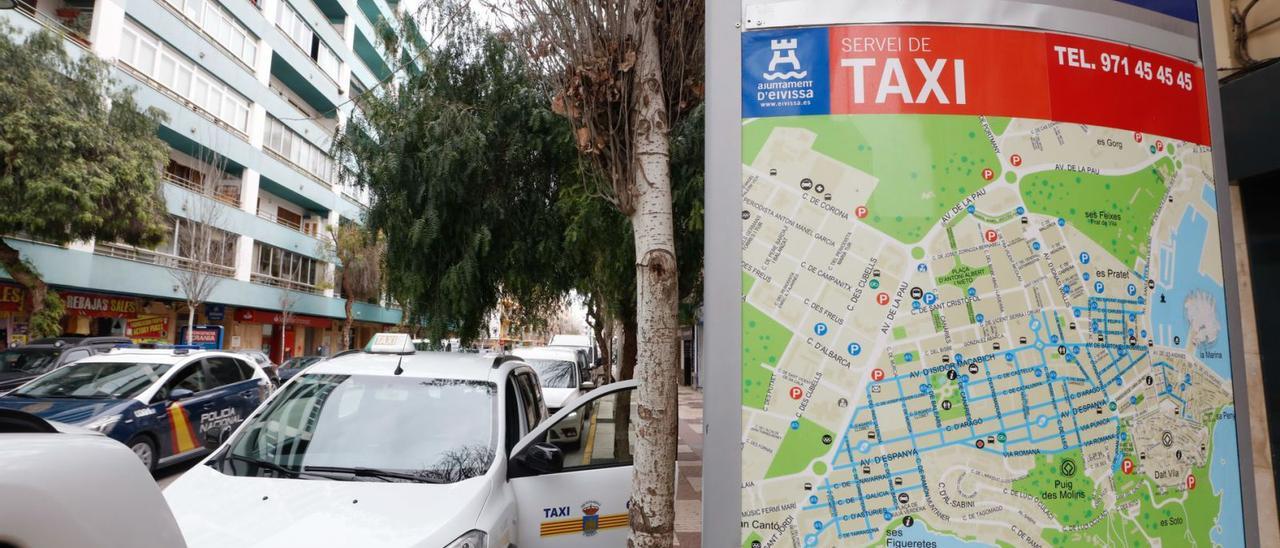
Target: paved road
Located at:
point(168, 474)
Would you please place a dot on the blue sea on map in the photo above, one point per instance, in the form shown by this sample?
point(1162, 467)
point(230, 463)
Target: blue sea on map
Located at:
point(922, 536)
point(1225, 476)
point(1209, 197)
point(1178, 280)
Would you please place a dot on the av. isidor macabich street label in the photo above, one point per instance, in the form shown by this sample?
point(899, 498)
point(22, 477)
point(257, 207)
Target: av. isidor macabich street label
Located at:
point(983, 294)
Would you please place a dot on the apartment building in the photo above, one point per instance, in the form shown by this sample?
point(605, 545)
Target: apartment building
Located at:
point(254, 91)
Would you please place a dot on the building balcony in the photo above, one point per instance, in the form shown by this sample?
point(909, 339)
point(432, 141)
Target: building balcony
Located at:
point(304, 227)
point(72, 21)
point(289, 285)
point(227, 194)
point(183, 101)
point(140, 255)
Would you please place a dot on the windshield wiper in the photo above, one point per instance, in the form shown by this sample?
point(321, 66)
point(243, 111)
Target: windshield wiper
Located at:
point(385, 475)
point(263, 464)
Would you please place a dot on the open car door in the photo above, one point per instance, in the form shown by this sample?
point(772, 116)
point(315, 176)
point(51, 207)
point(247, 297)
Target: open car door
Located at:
point(568, 496)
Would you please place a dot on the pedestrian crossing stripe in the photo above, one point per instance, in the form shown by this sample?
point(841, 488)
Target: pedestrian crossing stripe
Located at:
point(574, 525)
point(183, 436)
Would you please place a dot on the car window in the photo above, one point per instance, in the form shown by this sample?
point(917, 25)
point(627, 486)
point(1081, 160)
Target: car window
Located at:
point(28, 361)
point(101, 380)
point(191, 377)
point(246, 370)
point(221, 371)
point(532, 397)
point(515, 416)
point(602, 427)
point(555, 373)
point(74, 355)
point(434, 430)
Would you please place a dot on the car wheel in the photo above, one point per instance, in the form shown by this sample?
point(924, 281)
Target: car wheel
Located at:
point(145, 450)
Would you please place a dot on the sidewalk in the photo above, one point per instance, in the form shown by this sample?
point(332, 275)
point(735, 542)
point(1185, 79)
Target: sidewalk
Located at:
point(689, 470)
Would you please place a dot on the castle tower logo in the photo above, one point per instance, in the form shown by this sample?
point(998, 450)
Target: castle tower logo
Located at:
point(784, 54)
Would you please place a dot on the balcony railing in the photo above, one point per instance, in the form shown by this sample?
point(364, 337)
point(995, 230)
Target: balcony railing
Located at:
point(282, 283)
point(302, 228)
point(317, 178)
point(222, 194)
point(189, 104)
point(130, 253)
point(79, 36)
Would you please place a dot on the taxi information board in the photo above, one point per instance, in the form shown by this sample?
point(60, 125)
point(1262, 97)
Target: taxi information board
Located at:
point(983, 291)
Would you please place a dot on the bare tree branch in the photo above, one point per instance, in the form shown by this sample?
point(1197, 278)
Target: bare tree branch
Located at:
point(202, 252)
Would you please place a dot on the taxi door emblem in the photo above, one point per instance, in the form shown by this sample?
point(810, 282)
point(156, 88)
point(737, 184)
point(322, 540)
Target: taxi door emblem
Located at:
point(590, 518)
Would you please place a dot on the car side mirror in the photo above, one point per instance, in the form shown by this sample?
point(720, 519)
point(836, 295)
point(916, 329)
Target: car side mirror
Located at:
point(587, 385)
point(538, 459)
point(179, 394)
point(213, 438)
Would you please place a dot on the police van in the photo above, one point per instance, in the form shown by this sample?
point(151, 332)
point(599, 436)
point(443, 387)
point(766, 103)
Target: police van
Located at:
point(396, 447)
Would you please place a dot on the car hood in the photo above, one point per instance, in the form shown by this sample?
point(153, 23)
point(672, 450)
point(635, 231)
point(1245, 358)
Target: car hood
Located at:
point(558, 397)
point(218, 510)
point(65, 410)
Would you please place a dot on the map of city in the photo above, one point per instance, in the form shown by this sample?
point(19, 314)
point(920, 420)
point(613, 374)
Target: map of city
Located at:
point(974, 331)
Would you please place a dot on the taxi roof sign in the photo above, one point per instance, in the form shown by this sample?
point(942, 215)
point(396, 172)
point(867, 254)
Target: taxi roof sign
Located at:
point(391, 343)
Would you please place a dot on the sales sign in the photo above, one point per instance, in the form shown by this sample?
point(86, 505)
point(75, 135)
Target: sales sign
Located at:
point(1010, 210)
point(99, 306)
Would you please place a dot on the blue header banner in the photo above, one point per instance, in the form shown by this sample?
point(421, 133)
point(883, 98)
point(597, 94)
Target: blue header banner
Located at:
point(1182, 9)
point(785, 73)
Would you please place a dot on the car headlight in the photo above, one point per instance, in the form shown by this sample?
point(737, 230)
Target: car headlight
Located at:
point(103, 424)
point(474, 538)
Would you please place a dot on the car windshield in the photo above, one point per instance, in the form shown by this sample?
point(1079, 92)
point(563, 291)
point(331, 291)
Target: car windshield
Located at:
point(30, 361)
point(554, 373)
point(369, 428)
point(98, 380)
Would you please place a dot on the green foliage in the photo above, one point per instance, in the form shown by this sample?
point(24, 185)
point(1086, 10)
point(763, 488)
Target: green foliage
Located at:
point(76, 161)
point(598, 238)
point(359, 251)
point(481, 193)
point(464, 161)
point(687, 193)
point(48, 321)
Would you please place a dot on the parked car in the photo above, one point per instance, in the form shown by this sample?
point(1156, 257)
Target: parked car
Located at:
point(393, 447)
point(561, 380)
point(584, 344)
point(68, 486)
point(20, 364)
point(295, 365)
point(157, 402)
point(259, 357)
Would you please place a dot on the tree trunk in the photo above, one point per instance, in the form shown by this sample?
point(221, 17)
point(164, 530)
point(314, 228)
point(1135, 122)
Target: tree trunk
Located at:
point(36, 288)
point(627, 358)
point(601, 331)
point(346, 326)
point(191, 320)
point(653, 479)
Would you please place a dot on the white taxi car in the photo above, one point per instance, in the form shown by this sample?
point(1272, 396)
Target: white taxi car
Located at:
point(393, 447)
point(561, 378)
